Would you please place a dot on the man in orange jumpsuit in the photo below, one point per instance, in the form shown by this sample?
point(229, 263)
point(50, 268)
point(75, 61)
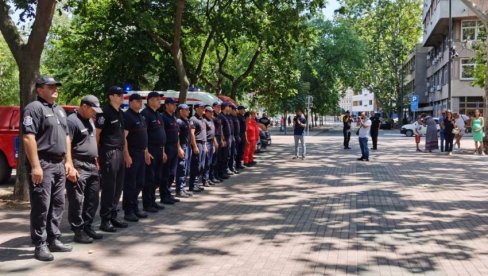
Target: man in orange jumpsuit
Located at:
point(252, 133)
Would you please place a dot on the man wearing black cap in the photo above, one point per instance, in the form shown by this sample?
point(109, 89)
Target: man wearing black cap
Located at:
point(83, 192)
point(211, 145)
point(199, 148)
point(156, 143)
point(214, 170)
point(48, 149)
point(183, 167)
point(172, 151)
point(231, 146)
point(243, 141)
point(226, 136)
point(236, 139)
point(111, 141)
point(136, 156)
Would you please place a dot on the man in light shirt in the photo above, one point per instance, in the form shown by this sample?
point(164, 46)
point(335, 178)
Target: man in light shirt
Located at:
point(364, 124)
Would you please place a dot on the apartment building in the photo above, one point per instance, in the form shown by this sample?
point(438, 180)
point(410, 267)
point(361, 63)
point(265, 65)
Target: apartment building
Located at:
point(415, 81)
point(362, 100)
point(467, 30)
point(345, 103)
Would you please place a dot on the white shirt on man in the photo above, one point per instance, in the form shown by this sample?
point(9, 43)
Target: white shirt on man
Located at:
point(364, 131)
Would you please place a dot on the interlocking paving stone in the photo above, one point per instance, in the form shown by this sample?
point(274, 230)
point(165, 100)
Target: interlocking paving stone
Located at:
point(402, 213)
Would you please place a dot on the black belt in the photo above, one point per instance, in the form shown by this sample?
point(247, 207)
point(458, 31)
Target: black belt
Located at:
point(210, 140)
point(51, 157)
point(201, 142)
point(105, 148)
point(155, 146)
point(84, 158)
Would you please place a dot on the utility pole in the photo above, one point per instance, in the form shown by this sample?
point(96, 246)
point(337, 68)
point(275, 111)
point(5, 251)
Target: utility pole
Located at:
point(309, 106)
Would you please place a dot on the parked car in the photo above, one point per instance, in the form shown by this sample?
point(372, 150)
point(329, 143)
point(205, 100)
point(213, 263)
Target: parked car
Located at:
point(409, 129)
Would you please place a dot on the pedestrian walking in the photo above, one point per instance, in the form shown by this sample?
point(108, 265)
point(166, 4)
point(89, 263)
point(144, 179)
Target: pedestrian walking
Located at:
point(83, 192)
point(441, 130)
point(299, 124)
point(364, 124)
point(448, 126)
point(184, 143)
point(375, 129)
point(460, 127)
point(431, 140)
point(136, 156)
point(48, 150)
point(156, 142)
point(111, 140)
point(346, 129)
point(477, 127)
point(418, 134)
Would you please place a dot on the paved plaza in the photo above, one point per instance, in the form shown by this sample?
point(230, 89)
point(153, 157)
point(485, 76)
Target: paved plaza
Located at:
point(401, 213)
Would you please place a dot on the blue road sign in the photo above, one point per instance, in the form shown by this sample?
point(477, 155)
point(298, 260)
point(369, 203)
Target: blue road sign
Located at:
point(414, 103)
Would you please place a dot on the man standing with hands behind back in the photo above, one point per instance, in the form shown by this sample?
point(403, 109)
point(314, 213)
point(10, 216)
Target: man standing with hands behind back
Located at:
point(364, 124)
point(48, 150)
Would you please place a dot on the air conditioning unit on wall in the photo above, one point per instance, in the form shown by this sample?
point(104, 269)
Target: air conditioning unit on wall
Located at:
point(439, 88)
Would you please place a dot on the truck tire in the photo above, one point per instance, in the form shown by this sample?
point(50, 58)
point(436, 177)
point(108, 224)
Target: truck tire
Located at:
point(409, 133)
point(5, 169)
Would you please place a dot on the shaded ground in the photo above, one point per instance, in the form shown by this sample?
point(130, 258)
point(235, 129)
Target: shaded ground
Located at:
point(402, 213)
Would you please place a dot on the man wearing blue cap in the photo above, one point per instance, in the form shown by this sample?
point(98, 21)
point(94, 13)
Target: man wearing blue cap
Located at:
point(136, 156)
point(183, 167)
point(211, 146)
point(111, 141)
point(172, 150)
point(199, 148)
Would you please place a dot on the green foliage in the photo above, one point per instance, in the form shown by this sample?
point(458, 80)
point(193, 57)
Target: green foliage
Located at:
point(390, 30)
point(481, 60)
point(9, 76)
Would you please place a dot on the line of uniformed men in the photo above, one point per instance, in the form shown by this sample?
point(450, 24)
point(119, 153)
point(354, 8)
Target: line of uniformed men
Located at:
point(130, 151)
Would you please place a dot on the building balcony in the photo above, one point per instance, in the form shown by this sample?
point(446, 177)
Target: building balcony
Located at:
point(435, 27)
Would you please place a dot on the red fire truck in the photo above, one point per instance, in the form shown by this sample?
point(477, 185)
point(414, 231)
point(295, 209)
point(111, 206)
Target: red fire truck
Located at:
point(9, 138)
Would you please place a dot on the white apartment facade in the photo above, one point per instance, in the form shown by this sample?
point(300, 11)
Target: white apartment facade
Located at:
point(362, 100)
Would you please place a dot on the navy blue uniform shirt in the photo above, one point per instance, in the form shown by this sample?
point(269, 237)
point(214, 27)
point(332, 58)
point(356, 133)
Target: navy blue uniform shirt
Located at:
point(242, 124)
point(48, 123)
point(155, 127)
point(225, 125)
point(184, 130)
point(231, 124)
point(237, 127)
point(218, 124)
point(135, 124)
point(111, 122)
point(171, 128)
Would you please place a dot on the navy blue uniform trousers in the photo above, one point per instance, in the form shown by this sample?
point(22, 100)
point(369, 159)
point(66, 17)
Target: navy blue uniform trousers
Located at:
point(169, 170)
point(153, 176)
point(134, 180)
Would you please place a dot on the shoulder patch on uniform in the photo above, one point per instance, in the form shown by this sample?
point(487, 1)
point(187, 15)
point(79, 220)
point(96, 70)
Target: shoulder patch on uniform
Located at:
point(101, 120)
point(27, 121)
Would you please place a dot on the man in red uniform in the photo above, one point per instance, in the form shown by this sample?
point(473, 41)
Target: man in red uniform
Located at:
point(252, 132)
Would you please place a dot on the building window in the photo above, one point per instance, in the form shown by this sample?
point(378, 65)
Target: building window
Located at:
point(370, 102)
point(360, 102)
point(467, 69)
point(355, 103)
point(472, 30)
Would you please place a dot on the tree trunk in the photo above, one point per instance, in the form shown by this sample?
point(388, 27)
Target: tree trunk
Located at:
point(182, 77)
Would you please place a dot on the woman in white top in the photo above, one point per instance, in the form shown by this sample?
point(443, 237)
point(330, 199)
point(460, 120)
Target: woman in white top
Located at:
point(460, 125)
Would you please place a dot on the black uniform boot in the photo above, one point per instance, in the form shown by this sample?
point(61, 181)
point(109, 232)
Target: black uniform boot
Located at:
point(57, 246)
point(82, 237)
point(92, 234)
point(42, 253)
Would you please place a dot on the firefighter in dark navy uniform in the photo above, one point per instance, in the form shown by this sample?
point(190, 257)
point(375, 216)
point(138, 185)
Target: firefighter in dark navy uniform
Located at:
point(111, 140)
point(183, 167)
point(83, 194)
point(241, 110)
point(215, 176)
point(226, 137)
point(172, 150)
point(136, 157)
point(199, 147)
point(236, 140)
point(156, 143)
point(48, 150)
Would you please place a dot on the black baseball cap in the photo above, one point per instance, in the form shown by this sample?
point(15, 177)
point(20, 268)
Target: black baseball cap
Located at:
point(115, 90)
point(135, 96)
point(153, 94)
point(47, 80)
point(199, 104)
point(241, 107)
point(92, 101)
point(216, 104)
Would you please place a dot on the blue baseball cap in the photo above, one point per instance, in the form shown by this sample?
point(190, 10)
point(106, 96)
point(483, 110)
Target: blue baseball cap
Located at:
point(183, 106)
point(169, 101)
